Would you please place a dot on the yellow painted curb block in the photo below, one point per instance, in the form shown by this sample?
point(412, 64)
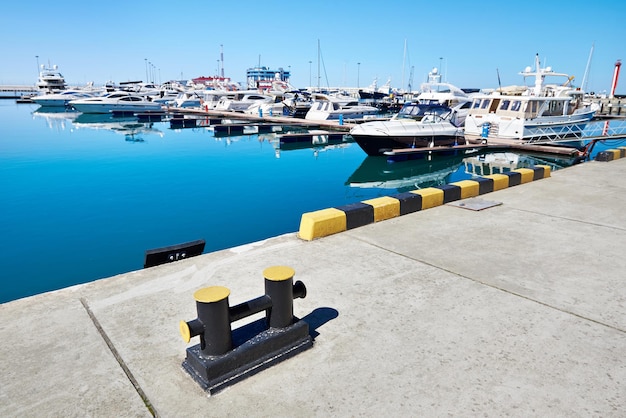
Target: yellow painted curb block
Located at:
point(500, 181)
point(469, 188)
point(431, 197)
point(546, 170)
point(322, 223)
point(527, 174)
point(384, 207)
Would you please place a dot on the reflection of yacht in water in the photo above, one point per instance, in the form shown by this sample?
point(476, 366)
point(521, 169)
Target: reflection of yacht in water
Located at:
point(128, 126)
point(56, 117)
point(503, 162)
point(316, 140)
point(377, 172)
point(436, 170)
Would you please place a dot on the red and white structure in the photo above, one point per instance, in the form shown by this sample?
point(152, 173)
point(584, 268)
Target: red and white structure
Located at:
point(618, 64)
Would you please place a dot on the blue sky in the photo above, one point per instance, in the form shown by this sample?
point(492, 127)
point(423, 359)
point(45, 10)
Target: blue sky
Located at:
point(472, 40)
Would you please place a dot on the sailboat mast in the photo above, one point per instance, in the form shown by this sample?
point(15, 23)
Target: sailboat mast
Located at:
point(585, 80)
point(318, 64)
point(222, 59)
point(403, 62)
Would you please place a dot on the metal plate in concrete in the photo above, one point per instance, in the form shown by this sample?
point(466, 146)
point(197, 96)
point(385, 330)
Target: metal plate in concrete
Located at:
point(474, 204)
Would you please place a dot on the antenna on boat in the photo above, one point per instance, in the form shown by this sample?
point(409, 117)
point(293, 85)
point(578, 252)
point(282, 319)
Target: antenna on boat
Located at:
point(538, 76)
point(584, 82)
point(499, 83)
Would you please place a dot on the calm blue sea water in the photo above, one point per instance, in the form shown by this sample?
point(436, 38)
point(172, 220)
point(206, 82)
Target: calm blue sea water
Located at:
point(83, 198)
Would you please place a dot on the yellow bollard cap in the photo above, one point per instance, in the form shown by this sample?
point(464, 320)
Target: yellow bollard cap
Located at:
point(185, 332)
point(278, 273)
point(211, 294)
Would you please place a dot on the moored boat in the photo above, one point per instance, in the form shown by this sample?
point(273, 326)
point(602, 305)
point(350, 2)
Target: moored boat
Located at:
point(416, 125)
point(436, 91)
point(374, 92)
point(329, 107)
point(50, 79)
point(63, 97)
point(543, 112)
point(242, 101)
point(120, 101)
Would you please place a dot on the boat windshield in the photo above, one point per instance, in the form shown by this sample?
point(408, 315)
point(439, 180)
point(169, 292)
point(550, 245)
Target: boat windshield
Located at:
point(417, 111)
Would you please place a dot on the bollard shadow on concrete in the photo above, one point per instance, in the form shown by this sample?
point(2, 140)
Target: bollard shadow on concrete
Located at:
point(319, 317)
point(315, 320)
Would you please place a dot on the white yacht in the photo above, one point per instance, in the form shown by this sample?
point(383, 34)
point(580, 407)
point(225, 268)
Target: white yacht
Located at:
point(417, 125)
point(241, 101)
point(63, 97)
point(327, 110)
point(121, 101)
point(50, 79)
point(277, 106)
point(435, 91)
point(540, 113)
point(338, 107)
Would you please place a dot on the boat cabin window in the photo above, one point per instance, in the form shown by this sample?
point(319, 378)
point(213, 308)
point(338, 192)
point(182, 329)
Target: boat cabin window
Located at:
point(476, 104)
point(533, 107)
point(554, 108)
point(505, 104)
point(485, 104)
point(417, 111)
point(515, 106)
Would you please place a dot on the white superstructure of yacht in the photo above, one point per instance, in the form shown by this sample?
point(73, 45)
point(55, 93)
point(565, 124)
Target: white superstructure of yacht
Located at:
point(543, 112)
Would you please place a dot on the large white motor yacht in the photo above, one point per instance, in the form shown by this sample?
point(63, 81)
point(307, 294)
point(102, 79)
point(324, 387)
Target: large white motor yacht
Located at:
point(539, 113)
point(50, 79)
point(120, 101)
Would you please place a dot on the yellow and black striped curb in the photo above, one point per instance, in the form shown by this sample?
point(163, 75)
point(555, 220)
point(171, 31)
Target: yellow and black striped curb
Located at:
point(611, 154)
point(330, 221)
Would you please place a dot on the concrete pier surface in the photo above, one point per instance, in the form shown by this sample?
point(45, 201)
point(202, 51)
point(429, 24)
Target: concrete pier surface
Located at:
point(515, 310)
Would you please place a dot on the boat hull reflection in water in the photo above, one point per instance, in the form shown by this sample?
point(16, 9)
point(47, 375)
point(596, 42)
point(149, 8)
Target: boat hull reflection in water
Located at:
point(129, 126)
point(428, 171)
point(437, 170)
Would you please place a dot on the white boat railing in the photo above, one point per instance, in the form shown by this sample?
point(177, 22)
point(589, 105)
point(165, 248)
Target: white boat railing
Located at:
point(608, 129)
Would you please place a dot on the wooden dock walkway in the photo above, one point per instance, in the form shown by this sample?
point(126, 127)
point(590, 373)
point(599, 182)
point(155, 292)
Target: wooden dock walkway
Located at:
point(330, 125)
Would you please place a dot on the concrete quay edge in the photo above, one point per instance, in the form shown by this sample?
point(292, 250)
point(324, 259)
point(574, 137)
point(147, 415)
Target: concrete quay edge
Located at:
point(517, 310)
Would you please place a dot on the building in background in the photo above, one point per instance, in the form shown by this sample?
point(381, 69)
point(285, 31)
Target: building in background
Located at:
point(262, 77)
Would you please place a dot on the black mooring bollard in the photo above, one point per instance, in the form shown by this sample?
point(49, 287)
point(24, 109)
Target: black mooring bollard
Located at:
point(279, 288)
point(215, 363)
point(213, 322)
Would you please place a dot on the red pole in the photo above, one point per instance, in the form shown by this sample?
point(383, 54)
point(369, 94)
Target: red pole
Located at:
point(618, 64)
